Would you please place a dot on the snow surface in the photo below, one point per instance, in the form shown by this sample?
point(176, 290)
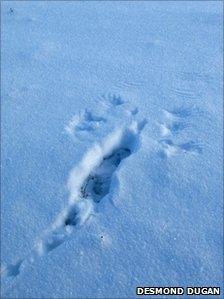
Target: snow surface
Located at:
point(111, 147)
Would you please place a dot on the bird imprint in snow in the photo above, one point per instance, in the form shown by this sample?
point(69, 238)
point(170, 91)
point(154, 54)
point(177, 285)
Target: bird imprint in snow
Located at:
point(112, 99)
point(169, 148)
point(89, 182)
point(176, 121)
point(116, 101)
point(84, 121)
point(97, 184)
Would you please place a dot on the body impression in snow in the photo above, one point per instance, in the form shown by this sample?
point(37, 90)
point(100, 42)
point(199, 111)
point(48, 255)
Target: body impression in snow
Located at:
point(97, 184)
point(91, 181)
point(88, 183)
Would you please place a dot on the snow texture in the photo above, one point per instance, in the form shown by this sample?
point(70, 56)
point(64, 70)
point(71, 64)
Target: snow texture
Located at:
point(111, 147)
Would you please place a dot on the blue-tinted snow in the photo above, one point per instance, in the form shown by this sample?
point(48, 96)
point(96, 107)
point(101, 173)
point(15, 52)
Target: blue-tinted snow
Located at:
point(78, 78)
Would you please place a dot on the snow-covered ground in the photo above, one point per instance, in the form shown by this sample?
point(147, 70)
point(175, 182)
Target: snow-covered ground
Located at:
point(111, 147)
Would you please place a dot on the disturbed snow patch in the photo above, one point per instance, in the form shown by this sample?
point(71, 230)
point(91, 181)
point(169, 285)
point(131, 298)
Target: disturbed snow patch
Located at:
point(90, 182)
